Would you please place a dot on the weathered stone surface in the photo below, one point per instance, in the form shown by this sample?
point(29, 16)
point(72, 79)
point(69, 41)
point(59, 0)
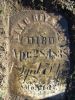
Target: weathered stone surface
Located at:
point(4, 50)
point(39, 54)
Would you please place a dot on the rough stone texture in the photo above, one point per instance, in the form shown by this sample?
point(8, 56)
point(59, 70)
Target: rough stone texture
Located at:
point(21, 73)
point(43, 72)
point(4, 50)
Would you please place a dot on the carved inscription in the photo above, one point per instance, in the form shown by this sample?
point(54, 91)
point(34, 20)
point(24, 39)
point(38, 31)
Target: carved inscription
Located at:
point(39, 51)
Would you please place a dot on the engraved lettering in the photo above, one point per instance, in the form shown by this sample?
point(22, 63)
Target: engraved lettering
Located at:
point(35, 17)
point(27, 20)
point(21, 25)
point(37, 40)
point(44, 40)
point(46, 17)
point(31, 40)
point(38, 54)
point(42, 17)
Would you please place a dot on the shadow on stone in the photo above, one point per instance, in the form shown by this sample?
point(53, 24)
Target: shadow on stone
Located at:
point(60, 96)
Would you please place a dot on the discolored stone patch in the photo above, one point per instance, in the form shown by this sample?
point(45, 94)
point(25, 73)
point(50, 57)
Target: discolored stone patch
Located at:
point(39, 54)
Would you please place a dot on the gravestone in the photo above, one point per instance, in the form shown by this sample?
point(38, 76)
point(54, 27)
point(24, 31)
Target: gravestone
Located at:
point(39, 54)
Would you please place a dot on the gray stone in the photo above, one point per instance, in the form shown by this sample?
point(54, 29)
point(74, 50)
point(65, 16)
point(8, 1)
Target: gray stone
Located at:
point(39, 54)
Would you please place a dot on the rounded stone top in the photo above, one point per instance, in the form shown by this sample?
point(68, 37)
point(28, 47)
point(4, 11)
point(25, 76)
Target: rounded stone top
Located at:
point(39, 53)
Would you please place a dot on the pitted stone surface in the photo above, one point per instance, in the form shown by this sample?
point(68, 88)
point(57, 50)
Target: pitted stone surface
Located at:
point(4, 50)
point(39, 54)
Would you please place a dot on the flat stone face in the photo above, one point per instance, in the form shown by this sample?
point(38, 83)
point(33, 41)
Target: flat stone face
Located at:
point(39, 54)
